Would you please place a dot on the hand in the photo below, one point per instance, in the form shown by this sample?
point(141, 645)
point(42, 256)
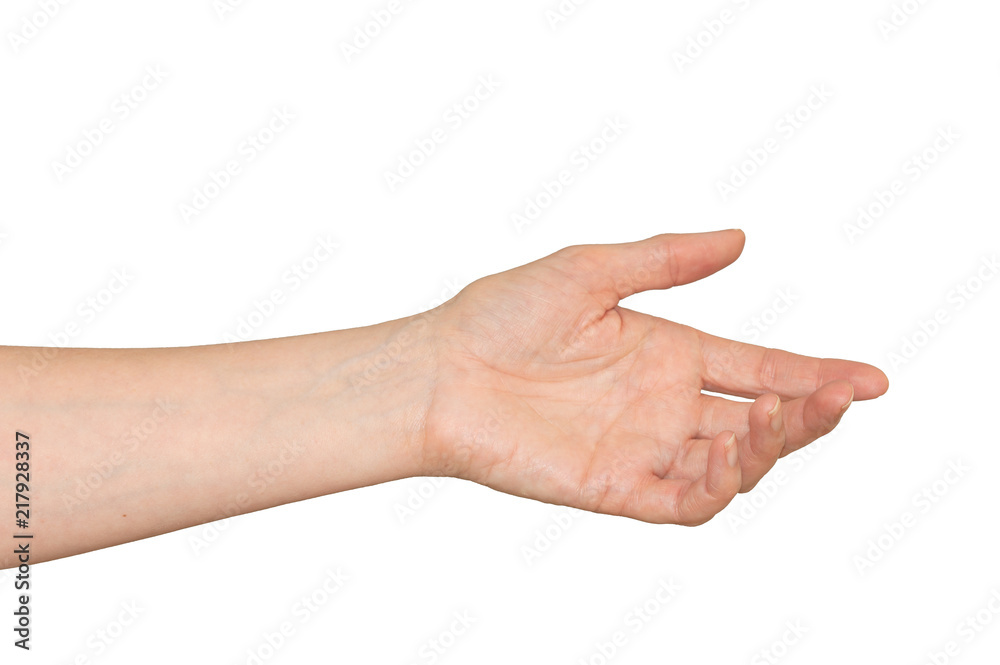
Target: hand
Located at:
point(548, 389)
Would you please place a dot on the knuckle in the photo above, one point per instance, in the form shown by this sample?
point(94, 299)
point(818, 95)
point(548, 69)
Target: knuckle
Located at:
point(767, 374)
point(671, 261)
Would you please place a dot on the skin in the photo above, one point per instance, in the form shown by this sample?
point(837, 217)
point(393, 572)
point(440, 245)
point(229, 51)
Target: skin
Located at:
point(535, 382)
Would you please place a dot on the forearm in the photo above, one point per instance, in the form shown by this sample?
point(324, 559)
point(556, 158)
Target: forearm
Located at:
point(131, 443)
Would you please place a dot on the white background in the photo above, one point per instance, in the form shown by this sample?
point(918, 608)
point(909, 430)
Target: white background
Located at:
point(799, 550)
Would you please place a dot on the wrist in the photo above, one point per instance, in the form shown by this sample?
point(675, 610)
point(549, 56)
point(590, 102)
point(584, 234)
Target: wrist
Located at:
point(386, 388)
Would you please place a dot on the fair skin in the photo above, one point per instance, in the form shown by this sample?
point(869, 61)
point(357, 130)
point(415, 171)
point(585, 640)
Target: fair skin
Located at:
point(535, 382)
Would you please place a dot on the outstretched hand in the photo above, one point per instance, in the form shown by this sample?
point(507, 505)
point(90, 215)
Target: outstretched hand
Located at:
point(547, 388)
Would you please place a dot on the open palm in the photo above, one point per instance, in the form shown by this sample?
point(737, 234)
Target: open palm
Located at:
point(547, 388)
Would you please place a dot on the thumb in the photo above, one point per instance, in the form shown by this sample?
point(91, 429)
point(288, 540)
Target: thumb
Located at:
point(614, 272)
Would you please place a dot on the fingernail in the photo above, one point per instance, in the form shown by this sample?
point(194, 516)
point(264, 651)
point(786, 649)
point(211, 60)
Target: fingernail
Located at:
point(732, 452)
point(773, 414)
point(848, 403)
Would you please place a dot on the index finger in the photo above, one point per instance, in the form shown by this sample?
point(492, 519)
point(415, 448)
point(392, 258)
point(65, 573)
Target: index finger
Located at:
point(748, 370)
